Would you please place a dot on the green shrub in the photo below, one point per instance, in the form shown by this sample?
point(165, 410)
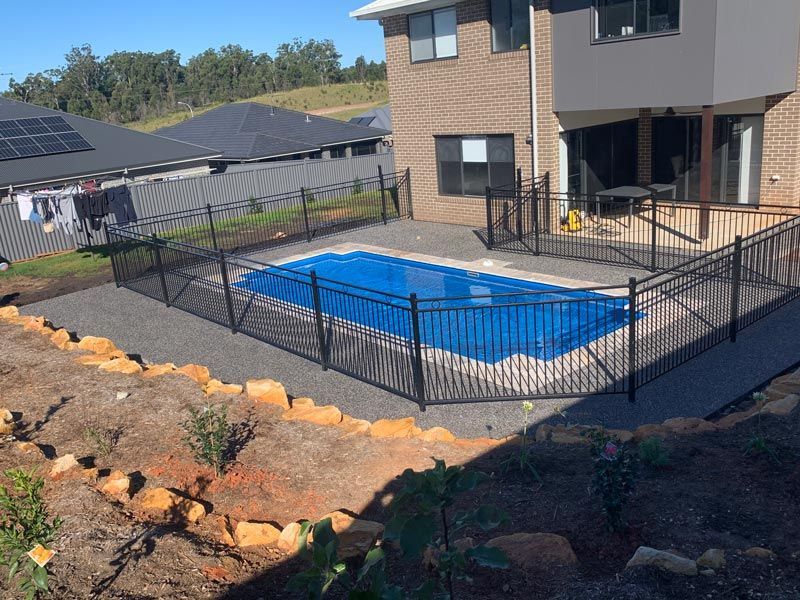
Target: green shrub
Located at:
point(255, 207)
point(102, 440)
point(614, 476)
point(653, 454)
point(759, 443)
point(208, 436)
point(358, 186)
point(24, 524)
point(523, 461)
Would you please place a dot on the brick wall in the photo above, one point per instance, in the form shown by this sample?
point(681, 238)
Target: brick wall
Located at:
point(547, 120)
point(644, 162)
point(479, 92)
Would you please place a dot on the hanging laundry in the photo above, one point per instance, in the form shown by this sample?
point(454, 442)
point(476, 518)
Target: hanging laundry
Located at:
point(25, 206)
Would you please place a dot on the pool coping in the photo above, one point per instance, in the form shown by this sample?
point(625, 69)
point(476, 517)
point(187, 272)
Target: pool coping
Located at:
point(495, 267)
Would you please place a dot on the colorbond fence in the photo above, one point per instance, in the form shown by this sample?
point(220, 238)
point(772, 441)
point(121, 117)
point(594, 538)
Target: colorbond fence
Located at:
point(21, 240)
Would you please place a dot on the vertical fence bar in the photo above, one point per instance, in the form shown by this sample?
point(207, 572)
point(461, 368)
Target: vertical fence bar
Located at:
point(654, 235)
point(489, 219)
point(226, 289)
point(419, 381)
point(632, 339)
point(535, 200)
point(383, 194)
point(408, 193)
point(211, 227)
point(323, 347)
point(112, 255)
point(736, 287)
point(160, 267)
point(305, 213)
point(518, 202)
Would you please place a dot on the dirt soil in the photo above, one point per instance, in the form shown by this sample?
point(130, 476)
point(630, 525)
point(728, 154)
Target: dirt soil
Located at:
point(22, 290)
point(711, 495)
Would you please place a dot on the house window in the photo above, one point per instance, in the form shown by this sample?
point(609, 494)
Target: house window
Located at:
point(364, 148)
point(510, 25)
point(617, 18)
point(433, 34)
point(338, 151)
point(468, 164)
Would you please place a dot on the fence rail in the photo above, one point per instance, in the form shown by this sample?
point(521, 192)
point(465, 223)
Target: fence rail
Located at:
point(440, 350)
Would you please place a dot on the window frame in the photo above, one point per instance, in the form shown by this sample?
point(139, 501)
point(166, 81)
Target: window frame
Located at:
point(460, 138)
point(491, 30)
point(595, 39)
point(433, 34)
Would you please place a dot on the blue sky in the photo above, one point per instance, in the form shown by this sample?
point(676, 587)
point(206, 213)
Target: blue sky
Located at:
point(187, 27)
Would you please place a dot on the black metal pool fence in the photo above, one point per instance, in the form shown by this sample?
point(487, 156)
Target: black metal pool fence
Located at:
point(612, 340)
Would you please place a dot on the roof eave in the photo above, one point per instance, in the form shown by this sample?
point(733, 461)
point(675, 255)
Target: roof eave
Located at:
point(398, 7)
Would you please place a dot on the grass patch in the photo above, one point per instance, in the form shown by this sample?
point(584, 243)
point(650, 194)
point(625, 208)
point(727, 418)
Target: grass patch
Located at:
point(80, 263)
point(302, 99)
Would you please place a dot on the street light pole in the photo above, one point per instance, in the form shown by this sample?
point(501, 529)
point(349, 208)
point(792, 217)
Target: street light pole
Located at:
point(189, 107)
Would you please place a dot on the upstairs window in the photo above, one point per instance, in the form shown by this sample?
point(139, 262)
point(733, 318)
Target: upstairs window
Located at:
point(433, 34)
point(467, 165)
point(510, 25)
point(622, 18)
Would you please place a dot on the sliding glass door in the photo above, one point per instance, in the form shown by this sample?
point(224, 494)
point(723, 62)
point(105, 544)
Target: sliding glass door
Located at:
point(601, 157)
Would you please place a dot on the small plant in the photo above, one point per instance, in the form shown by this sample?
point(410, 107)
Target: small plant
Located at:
point(653, 454)
point(422, 526)
point(310, 197)
point(369, 582)
point(759, 443)
point(103, 441)
point(358, 186)
point(255, 207)
point(524, 459)
point(614, 476)
point(24, 525)
point(208, 436)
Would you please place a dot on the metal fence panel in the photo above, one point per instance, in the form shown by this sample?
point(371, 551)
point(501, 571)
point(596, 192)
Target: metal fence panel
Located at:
point(25, 239)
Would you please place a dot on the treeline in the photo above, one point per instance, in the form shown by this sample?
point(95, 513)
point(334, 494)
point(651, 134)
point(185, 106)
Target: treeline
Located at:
point(129, 86)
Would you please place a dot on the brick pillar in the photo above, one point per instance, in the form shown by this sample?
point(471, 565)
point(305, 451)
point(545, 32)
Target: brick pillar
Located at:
point(781, 155)
point(644, 162)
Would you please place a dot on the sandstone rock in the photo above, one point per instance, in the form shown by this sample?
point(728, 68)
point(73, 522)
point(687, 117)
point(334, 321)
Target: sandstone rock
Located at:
point(7, 423)
point(684, 425)
point(95, 360)
point(319, 415)
point(478, 443)
point(533, 551)
point(650, 557)
point(464, 544)
point(36, 324)
point(169, 505)
point(156, 370)
point(215, 386)
point(394, 428)
point(356, 536)
point(98, 345)
point(287, 541)
point(93, 473)
point(121, 365)
point(226, 531)
point(735, 418)
point(218, 574)
point(63, 464)
point(269, 391)
point(117, 484)
point(650, 430)
point(437, 434)
point(781, 407)
point(708, 572)
point(251, 533)
point(29, 448)
point(758, 552)
point(713, 558)
point(572, 435)
point(197, 373)
point(61, 339)
point(302, 402)
point(9, 312)
point(353, 426)
point(622, 435)
point(515, 439)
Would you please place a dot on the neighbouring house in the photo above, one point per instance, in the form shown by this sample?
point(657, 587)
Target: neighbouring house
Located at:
point(696, 94)
point(380, 117)
point(42, 147)
point(249, 132)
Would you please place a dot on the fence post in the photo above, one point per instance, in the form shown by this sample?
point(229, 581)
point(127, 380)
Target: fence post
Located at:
point(535, 200)
point(416, 369)
point(323, 348)
point(226, 290)
point(160, 267)
point(112, 254)
point(518, 201)
point(305, 213)
point(632, 339)
point(489, 223)
point(653, 236)
point(383, 194)
point(211, 227)
point(408, 193)
point(736, 287)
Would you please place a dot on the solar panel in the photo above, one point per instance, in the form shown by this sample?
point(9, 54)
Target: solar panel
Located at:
point(39, 136)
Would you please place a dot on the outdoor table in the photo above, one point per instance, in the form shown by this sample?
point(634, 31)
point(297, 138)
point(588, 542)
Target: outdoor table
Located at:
point(631, 193)
point(665, 189)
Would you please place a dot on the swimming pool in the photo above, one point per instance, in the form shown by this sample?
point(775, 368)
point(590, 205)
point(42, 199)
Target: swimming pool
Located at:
point(477, 315)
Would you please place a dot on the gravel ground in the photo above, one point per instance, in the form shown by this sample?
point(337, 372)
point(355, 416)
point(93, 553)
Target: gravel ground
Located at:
point(143, 326)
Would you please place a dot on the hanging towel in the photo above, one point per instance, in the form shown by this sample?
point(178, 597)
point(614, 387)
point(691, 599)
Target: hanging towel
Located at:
point(25, 206)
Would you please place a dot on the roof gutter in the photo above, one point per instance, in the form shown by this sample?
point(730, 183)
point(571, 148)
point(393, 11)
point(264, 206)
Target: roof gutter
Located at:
point(375, 11)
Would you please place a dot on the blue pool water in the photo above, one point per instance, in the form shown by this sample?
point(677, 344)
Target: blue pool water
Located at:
point(539, 320)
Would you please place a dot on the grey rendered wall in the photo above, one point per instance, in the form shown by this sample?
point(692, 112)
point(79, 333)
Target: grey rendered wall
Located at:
point(756, 48)
point(20, 240)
